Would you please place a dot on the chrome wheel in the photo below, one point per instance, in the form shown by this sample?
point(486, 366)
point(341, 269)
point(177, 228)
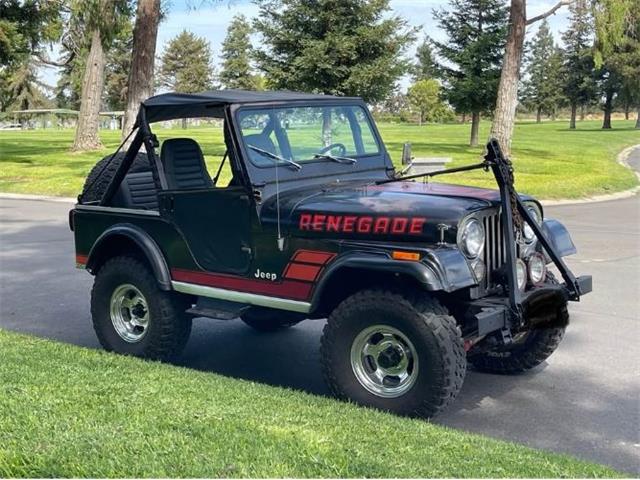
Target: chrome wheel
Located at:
point(129, 313)
point(384, 361)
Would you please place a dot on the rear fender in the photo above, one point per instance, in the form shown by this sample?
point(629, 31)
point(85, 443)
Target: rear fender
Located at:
point(102, 250)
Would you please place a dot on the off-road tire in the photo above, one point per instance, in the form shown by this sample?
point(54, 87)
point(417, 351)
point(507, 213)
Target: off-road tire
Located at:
point(425, 322)
point(102, 172)
point(267, 321)
point(537, 346)
point(169, 326)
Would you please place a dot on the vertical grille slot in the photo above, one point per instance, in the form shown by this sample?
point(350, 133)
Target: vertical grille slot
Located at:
point(494, 255)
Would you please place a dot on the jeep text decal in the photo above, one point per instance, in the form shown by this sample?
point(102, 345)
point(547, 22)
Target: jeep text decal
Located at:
point(361, 224)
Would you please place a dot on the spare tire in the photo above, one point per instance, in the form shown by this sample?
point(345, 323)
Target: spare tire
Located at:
point(102, 172)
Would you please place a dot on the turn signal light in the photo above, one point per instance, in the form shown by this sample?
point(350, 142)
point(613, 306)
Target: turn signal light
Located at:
point(400, 255)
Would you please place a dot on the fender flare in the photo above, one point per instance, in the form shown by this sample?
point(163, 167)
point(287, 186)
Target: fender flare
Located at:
point(559, 237)
point(147, 245)
point(439, 270)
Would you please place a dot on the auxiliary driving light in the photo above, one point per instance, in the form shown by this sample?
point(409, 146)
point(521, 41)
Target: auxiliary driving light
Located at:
point(537, 269)
point(521, 274)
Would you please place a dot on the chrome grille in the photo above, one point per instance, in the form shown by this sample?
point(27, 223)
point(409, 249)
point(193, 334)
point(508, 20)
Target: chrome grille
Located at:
point(495, 253)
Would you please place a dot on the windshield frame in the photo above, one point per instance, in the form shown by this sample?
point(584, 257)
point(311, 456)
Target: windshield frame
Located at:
point(367, 163)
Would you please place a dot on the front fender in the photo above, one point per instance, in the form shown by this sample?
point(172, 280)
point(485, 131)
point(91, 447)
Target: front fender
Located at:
point(559, 237)
point(439, 270)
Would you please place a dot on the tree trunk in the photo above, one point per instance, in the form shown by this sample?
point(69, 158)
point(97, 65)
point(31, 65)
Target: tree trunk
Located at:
point(539, 115)
point(464, 118)
point(92, 86)
point(626, 111)
point(638, 119)
point(475, 125)
point(140, 85)
point(582, 113)
point(572, 122)
point(507, 101)
point(608, 107)
point(326, 127)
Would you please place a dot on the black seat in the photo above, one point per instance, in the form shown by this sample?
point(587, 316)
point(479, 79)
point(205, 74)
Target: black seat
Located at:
point(183, 164)
point(263, 142)
point(137, 190)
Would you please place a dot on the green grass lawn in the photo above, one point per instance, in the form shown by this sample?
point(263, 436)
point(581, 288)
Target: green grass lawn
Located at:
point(550, 160)
point(67, 411)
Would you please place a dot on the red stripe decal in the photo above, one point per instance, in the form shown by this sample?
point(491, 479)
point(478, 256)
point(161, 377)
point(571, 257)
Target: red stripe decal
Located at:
point(81, 258)
point(308, 256)
point(285, 289)
point(300, 271)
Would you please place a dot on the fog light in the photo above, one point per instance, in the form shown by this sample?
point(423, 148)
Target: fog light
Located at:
point(536, 269)
point(521, 274)
point(479, 269)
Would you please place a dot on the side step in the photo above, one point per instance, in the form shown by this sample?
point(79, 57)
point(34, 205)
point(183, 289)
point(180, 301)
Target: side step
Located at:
point(218, 309)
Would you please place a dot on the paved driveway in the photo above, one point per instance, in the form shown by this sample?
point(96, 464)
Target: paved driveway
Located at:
point(584, 401)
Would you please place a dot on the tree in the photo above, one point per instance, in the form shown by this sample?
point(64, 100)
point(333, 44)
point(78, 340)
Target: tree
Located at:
point(425, 66)
point(236, 56)
point(475, 32)
point(25, 25)
point(542, 88)
point(617, 53)
point(24, 88)
point(424, 96)
point(507, 96)
point(140, 82)
point(117, 69)
point(99, 20)
point(186, 64)
point(348, 47)
point(579, 73)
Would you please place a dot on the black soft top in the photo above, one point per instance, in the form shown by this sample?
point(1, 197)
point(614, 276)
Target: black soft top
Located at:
point(168, 106)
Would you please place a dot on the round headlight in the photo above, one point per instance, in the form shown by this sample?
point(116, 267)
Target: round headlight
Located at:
point(537, 269)
point(521, 275)
point(527, 230)
point(472, 238)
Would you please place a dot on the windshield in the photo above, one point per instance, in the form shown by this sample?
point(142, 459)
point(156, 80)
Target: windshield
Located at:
point(305, 134)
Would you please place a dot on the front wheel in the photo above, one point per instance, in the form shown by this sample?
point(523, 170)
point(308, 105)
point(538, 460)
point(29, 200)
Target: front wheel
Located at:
point(393, 352)
point(132, 316)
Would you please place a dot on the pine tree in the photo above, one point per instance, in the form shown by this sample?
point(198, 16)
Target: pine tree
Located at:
point(579, 72)
point(340, 47)
point(186, 64)
point(425, 66)
point(236, 56)
point(542, 87)
point(476, 31)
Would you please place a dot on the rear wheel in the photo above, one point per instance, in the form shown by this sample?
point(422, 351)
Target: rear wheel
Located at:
point(132, 316)
point(393, 352)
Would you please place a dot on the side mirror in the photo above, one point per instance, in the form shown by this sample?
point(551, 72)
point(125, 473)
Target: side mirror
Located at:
point(407, 159)
point(406, 154)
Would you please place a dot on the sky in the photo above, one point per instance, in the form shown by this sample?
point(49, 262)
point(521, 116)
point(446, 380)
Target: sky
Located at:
point(211, 19)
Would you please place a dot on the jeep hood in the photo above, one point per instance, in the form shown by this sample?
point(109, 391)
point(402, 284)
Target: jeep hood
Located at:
point(372, 211)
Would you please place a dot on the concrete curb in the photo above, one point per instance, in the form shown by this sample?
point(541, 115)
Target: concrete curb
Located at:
point(40, 198)
point(621, 159)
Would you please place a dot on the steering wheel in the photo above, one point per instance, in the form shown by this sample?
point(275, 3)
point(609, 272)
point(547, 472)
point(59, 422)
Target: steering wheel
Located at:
point(342, 149)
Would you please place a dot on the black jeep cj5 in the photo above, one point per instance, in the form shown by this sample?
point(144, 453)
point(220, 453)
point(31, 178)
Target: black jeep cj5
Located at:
point(416, 278)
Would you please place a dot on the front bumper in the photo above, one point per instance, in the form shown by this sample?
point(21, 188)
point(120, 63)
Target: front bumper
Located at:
point(539, 308)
